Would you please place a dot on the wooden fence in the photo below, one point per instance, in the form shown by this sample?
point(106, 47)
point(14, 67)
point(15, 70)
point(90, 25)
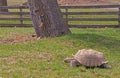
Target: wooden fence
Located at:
point(17, 16)
point(97, 16)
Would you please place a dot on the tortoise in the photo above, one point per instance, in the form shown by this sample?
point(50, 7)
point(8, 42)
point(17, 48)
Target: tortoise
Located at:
point(88, 58)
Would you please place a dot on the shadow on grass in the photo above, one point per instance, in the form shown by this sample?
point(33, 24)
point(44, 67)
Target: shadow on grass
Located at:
point(108, 42)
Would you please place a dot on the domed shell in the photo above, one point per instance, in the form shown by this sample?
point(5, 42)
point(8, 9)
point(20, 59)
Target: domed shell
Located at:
point(90, 58)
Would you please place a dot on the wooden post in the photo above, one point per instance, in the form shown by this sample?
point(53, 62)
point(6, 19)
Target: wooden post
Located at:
point(119, 18)
point(21, 16)
point(66, 15)
point(3, 3)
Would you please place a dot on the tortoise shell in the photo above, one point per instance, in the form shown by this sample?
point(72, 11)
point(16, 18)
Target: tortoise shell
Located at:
point(90, 58)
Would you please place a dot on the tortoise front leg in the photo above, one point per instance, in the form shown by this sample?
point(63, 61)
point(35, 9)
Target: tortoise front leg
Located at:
point(106, 66)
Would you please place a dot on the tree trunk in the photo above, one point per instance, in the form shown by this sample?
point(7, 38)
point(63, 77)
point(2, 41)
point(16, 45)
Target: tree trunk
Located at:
point(3, 3)
point(47, 18)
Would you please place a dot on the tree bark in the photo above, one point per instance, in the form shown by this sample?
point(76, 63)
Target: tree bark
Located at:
point(3, 3)
point(47, 18)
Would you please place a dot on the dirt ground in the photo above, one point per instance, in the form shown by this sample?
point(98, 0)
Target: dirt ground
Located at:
point(17, 38)
point(88, 2)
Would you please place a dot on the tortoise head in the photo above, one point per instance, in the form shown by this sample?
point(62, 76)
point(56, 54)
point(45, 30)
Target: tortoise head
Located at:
point(68, 60)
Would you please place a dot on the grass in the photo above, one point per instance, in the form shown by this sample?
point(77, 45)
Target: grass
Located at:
point(15, 2)
point(14, 22)
point(44, 58)
point(93, 23)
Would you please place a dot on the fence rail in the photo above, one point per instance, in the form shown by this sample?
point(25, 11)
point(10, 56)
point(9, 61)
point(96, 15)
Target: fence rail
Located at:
point(96, 16)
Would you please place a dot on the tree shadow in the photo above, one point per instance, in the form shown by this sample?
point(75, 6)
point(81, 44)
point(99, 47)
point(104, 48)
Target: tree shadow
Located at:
point(110, 43)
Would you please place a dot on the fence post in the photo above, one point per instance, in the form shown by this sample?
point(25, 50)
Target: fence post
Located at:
point(119, 17)
point(66, 15)
point(21, 15)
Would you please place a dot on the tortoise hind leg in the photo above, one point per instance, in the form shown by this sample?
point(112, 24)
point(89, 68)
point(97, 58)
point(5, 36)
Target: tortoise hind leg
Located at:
point(74, 63)
point(105, 66)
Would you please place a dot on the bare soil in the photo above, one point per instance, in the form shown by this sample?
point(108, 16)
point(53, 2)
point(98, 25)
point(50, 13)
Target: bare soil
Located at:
point(17, 38)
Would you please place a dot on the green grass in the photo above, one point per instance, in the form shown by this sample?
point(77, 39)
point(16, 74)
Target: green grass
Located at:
point(15, 2)
point(93, 22)
point(14, 22)
point(44, 58)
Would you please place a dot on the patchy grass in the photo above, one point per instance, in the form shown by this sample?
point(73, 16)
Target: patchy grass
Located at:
point(44, 58)
point(15, 2)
